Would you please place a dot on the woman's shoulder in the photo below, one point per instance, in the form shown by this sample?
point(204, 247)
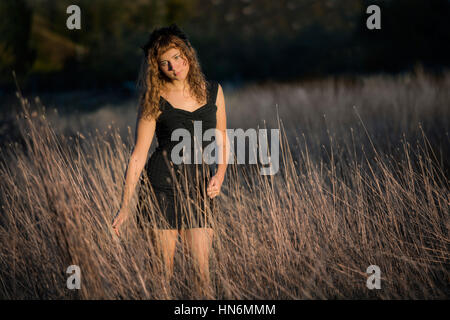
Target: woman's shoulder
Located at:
point(213, 84)
point(213, 89)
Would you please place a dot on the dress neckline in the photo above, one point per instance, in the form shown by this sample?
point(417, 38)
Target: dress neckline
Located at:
point(184, 109)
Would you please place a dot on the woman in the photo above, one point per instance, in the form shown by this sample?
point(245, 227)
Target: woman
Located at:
point(176, 95)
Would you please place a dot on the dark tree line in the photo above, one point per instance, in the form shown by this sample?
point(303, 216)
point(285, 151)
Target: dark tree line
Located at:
point(237, 39)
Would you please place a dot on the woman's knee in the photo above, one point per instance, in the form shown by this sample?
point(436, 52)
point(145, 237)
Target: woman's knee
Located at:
point(165, 240)
point(197, 240)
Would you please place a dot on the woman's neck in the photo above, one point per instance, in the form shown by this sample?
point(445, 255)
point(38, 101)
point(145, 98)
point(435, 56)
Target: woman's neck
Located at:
point(176, 85)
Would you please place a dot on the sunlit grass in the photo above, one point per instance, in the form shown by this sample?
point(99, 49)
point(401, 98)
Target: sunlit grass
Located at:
point(362, 182)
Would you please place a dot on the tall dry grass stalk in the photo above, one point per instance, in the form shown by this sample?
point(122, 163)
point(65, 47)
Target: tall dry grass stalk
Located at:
point(336, 206)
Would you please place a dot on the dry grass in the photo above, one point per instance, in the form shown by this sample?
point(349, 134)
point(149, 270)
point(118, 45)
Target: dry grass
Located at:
point(363, 181)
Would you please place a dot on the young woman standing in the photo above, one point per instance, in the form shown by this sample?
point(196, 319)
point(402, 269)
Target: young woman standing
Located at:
point(176, 96)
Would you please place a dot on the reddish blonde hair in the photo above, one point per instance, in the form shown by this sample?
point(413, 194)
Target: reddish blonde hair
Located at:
point(151, 79)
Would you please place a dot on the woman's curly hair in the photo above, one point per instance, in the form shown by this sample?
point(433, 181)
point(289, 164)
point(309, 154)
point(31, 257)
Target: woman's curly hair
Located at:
point(151, 79)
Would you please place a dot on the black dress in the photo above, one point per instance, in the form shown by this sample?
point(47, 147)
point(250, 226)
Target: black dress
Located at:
point(173, 195)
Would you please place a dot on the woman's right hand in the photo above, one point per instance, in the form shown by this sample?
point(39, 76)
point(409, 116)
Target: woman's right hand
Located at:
point(120, 218)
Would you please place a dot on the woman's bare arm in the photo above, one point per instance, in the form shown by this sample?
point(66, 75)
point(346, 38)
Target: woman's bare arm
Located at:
point(145, 131)
point(223, 143)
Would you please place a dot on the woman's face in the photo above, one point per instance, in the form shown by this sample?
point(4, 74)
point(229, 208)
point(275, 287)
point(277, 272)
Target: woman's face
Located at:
point(174, 65)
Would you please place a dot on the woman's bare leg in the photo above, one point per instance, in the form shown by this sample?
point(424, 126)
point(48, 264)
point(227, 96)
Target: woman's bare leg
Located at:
point(198, 242)
point(165, 243)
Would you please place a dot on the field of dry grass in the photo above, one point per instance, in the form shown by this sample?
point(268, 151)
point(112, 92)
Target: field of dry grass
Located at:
point(363, 181)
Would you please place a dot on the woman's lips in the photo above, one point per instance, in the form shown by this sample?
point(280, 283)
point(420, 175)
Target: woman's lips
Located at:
point(177, 73)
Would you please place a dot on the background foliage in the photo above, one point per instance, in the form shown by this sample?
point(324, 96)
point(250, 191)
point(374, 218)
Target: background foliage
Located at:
point(237, 40)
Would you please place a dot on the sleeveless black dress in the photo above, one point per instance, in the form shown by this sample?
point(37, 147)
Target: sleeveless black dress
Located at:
point(173, 195)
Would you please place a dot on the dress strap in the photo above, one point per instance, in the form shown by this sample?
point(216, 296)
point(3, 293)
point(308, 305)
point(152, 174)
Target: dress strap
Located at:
point(213, 90)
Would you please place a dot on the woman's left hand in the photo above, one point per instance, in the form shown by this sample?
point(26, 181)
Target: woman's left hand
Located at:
point(214, 185)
